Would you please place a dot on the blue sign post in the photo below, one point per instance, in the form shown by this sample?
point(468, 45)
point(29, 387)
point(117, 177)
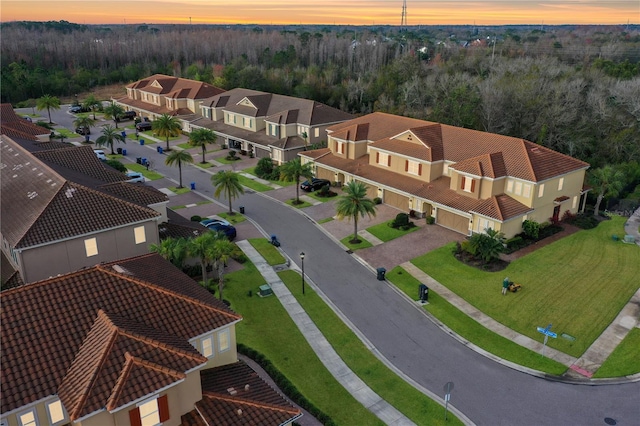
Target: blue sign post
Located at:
point(547, 333)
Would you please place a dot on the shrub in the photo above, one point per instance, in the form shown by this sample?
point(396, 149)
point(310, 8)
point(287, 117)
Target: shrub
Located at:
point(196, 218)
point(430, 220)
point(325, 190)
point(531, 229)
point(584, 221)
point(232, 156)
point(117, 165)
point(275, 173)
point(402, 219)
point(568, 216)
point(264, 168)
point(377, 200)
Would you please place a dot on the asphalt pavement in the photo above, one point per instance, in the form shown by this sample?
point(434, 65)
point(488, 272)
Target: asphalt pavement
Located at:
point(400, 332)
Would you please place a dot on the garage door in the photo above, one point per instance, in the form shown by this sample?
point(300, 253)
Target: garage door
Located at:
point(396, 200)
point(453, 221)
point(261, 153)
point(325, 174)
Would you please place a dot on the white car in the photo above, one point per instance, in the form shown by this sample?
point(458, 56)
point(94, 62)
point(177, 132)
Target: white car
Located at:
point(100, 154)
point(135, 177)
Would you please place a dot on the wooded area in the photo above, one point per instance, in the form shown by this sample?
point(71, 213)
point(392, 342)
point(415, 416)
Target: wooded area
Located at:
point(573, 89)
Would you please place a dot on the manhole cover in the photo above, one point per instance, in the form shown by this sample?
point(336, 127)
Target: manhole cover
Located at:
point(610, 421)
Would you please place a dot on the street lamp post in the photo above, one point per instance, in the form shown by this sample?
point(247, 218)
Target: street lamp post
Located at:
point(302, 259)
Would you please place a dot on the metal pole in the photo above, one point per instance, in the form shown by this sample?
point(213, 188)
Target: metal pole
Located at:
point(302, 259)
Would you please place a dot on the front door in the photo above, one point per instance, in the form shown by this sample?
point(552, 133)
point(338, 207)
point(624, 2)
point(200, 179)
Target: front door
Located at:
point(556, 214)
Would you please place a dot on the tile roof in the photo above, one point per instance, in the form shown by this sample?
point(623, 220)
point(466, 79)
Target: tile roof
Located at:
point(150, 309)
point(13, 125)
point(39, 206)
point(140, 194)
point(487, 165)
point(234, 394)
point(80, 159)
point(10, 277)
point(278, 107)
point(175, 87)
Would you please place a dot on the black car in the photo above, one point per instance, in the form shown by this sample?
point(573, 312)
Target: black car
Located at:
point(228, 230)
point(143, 125)
point(127, 115)
point(314, 185)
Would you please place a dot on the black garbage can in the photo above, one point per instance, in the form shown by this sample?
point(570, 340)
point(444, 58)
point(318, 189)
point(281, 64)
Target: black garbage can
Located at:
point(119, 150)
point(381, 273)
point(139, 160)
point(241, 209)
point(423, 292)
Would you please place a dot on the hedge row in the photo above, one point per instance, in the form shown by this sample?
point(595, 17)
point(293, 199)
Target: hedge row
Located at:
point(285, 385)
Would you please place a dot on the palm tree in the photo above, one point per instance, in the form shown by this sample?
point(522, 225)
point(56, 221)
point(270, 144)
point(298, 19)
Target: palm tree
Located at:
point(109, 136)
point(91, 102)
point(607, 182)
point(202, 247)
point(201, 137)
point(487, 246)
point(113, 110)
point(172, 249)
point(167, 126)
point(353, 204)
point(84, 121)
point(229, 183)
point(178, 157)
point(293, 170)
point(223, 249)
point(48, 102)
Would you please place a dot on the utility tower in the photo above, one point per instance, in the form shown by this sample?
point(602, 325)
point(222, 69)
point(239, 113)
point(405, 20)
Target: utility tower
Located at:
point(403, 20)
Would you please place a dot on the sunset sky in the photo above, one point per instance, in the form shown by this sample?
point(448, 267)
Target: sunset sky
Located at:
point(340, 12)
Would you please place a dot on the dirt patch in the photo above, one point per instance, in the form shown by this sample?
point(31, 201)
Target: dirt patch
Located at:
point(103, 93)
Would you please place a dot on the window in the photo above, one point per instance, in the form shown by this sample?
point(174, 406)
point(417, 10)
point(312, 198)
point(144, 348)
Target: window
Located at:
point(91, 247)
point(467, 184)
point(150, 413)
point(509, 186)
point(383, 159)
point(484, 224)
point(56, 413)
point(223, 341)
point(340, 147)
point(560, 184)
point(518, 188)
point(28, 419)
point(526, 190)
point(541, 190)
point(140, 235)
point(413, 167)
point(207, 346)
point(317, 132)
point(575, 202)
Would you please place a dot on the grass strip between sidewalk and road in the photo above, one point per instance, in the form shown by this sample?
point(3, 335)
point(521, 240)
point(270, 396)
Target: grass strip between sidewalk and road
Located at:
point(268, 251)
point(267, 328)
point(470, 329)
point(253, 184)
point(252, 171)
point(361, 245)
point(149, 174)
point(421, 409)
point(624, 360)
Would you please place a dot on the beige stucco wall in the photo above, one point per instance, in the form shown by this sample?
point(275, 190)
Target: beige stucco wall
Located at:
point(41, 414)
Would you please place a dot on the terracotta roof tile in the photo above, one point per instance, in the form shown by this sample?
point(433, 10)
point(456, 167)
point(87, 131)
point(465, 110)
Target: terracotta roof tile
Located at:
point(44, 325)
point(417, 151)
point(489, 165)
point(10, 276)
point(502, 207)
point(81, 159)
point(380, 125)
point(176, 87)
point(142, 195)
point(13, 125)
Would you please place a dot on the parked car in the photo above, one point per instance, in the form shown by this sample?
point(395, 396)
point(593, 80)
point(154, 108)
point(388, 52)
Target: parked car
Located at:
point(314, 185)
point(228, 230)
point(206, 222)
point(76, 109)
point(83, 130)
point(127, 115)
point(143, 125)
point(100, 154)
point(135, 177)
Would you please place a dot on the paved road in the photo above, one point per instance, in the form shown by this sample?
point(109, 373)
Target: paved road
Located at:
point(488, 392)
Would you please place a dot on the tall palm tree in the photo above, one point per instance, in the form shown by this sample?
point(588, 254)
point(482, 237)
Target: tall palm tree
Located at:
point(91, 102)
point(202, 137)
point(172, 249)
point(167, 126)
point(353, 204)
point(48, 102)
point(202, 247)
point(229, 183)
point(178, 157)
point(607, 182)
point(114, 111)
point(223, 249)
point(293, 170)
point(109, 136)
point(84, 121)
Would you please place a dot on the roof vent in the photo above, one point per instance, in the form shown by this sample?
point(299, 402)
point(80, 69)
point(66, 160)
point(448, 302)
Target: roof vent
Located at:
point(232, 391)
point(121, 270)
point(239, 411)
point(246, 387)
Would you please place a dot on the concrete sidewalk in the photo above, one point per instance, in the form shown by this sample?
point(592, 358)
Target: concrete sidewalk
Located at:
point(327, 355)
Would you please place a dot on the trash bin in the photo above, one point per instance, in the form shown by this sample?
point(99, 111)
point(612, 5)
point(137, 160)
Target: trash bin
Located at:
point(144, 161)
point(381, 273)
point(160, 150)
point(242, 209)
point(193, 185)
point(139, 160)
point(124, 152)
point(141, 141)
point(119, 151)
point(124, 134)
point(423, 292)
point(87, 138)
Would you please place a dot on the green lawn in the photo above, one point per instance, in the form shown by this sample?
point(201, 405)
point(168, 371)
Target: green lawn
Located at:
point(471, 330)
point(186, 145)
point(363, 243)
point(149, 174)
point(232, 218)
point(302, 204)
point(256, 186)
point(146, 136)
point(252, 171)
point(316, 195)
point(624, 360)
point(268, 251)
point(325, 220)
point(267, 328)
point(177, 190)
point(206, 165)
point(412, 403)
point(579, 284)
point(386, 233)
point(223, 160)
